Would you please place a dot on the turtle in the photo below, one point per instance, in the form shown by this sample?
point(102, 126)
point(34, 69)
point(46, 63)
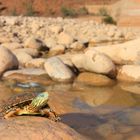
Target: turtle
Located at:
point(29, 104)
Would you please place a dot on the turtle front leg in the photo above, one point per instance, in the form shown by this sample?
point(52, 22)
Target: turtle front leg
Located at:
point(11, 113)
point(50, 114)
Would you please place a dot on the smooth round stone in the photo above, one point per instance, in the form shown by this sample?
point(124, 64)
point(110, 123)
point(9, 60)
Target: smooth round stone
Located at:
point(93, 79)
point(8, 60)
point(27, 71)
point(57, 70)
point(129, 73)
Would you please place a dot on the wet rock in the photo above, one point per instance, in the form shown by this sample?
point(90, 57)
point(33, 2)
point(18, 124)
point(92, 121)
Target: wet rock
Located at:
point(57, 70)
point(129, 73)
point(93, 79)
point(42, 79)
point(8, 60)
point(35, 128)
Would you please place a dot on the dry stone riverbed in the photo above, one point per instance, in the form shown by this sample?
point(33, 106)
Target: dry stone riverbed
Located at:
point(90, 70)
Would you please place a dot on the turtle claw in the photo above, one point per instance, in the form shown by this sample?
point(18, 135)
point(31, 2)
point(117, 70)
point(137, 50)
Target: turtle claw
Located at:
point(55, 119)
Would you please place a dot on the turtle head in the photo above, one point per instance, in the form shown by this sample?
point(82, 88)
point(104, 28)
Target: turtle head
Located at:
point(40, 100)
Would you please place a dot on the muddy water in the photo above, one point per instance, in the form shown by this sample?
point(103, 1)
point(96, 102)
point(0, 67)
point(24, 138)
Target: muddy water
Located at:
point(99, 113)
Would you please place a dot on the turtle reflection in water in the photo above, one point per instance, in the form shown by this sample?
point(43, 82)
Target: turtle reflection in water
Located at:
point(29, 104)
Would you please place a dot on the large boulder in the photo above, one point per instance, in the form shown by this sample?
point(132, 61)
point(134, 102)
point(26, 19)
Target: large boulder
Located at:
point(8, 60)
point(129, 73)
point(35, 128)
point(57, 70)
point(125, 53)
point(94, 61)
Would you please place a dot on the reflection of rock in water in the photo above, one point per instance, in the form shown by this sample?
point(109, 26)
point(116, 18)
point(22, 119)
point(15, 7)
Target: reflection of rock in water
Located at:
point(5, 92)
point(129, 116)
point(96, 96)
point(84, 123)
point(109, 123)
point(112, 126)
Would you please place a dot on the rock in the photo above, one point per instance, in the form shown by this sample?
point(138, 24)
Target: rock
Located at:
point(134, 137)
point(77, 46)
point(35, 63)
point(35, 128)
point(130, 87)
point(8, 60)
point(100, 38)
point(57, 70)
point(66, 58)
point(92, 79)
point(98, 62)
point(58, 49)
point(37, 76)
point(65, 39)
point(129, 35)
point(5, 38)
point(94, 61)
point(111, 32)
point(56, 29)
point(23, 58)
point(118, 34)
point(50, 42)
point(30, 51)
point(78, 60)
point(125, 53)
point(129, 73)
point(32, 42)
point(12, 45)
point(26, 71)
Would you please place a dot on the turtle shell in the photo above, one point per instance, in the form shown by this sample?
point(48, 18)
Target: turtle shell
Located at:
point(17, 101)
